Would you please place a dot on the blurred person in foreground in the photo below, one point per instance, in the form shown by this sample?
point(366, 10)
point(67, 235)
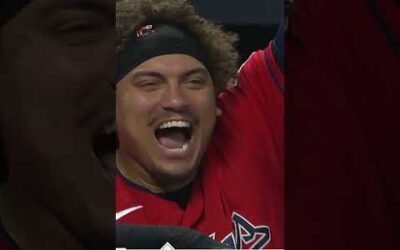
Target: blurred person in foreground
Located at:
point(56, 109)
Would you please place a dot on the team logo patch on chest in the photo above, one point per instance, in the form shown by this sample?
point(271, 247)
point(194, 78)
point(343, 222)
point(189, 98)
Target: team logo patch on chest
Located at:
point(246, 235)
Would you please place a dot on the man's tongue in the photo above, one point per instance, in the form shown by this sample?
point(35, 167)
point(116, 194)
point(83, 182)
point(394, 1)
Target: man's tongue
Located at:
point(172, 139)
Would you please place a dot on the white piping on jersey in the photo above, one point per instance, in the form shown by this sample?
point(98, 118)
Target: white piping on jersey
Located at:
point(127, 211)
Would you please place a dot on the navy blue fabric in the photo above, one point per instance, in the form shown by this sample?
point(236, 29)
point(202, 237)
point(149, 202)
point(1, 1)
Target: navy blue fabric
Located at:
point(278, 45)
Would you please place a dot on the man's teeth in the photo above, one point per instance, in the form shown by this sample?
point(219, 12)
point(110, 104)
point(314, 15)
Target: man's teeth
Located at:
point(183, 148)
point(175, 124)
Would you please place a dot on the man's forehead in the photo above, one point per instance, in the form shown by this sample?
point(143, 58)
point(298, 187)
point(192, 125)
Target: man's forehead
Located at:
point(167, 65)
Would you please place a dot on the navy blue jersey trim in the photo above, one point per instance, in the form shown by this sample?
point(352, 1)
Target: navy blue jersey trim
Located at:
point(383, 26)
point(278, 45)
point(272, 72)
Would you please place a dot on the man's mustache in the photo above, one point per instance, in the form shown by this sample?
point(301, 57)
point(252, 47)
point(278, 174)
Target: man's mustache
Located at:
point(186, 113)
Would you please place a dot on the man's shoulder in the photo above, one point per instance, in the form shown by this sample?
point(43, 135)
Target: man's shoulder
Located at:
point(260, 68)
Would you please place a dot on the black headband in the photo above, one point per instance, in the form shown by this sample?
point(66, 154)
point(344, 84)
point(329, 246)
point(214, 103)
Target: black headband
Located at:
point(156, 40)
point(8, 8)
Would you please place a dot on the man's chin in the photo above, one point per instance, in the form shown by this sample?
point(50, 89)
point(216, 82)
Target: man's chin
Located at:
point(173, 177)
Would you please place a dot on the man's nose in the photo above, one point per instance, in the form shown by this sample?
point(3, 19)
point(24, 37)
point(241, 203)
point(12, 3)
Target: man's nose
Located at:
point(174, 98)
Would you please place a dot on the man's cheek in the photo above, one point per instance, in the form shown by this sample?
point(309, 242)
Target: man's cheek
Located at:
point(207, 106)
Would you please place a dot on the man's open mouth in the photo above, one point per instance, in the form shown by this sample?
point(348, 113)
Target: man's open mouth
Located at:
point(174, 135)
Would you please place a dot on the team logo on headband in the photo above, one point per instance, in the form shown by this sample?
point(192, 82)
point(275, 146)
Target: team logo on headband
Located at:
point(145, 31)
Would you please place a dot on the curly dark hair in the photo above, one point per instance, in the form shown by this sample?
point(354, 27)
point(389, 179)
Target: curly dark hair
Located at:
point(218, 45)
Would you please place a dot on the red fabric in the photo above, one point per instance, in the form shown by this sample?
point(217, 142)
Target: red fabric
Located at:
point(342, 152)
point(242, 173)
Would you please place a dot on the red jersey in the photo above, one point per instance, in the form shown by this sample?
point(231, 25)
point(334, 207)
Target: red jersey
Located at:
point(237, 198)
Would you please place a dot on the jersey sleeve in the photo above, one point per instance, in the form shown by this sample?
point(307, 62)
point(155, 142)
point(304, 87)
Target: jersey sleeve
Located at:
point(259, 88)
point(253, 109)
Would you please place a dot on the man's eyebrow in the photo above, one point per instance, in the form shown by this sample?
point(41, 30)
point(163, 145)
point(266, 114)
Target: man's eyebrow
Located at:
point(106, 7)
point(199, 70)
point(146, 73)
point(149, 73)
